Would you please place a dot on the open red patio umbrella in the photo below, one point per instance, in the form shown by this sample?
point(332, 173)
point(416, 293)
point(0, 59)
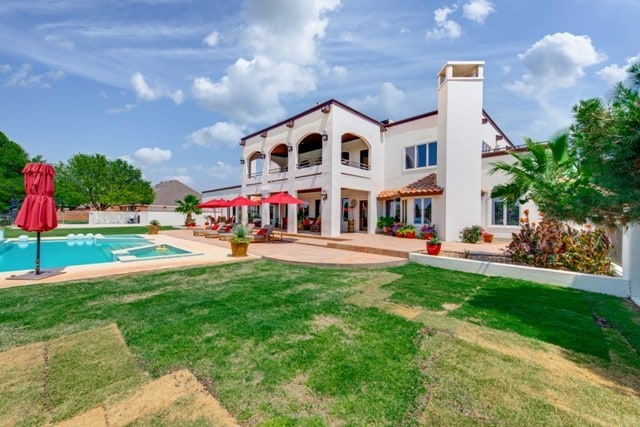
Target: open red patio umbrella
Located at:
point(282, 199)
point(38, 210)
point(242, 201)
point(214, 204)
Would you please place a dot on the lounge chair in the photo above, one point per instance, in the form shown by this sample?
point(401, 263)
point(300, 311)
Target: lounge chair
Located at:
point(263, 235)
point(202, 231)
point(212, 234)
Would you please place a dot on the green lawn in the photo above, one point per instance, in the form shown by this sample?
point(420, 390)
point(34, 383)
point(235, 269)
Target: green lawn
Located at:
point(292, 345)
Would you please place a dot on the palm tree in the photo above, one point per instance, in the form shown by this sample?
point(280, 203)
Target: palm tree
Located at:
point(549, 175)
point(188, 206)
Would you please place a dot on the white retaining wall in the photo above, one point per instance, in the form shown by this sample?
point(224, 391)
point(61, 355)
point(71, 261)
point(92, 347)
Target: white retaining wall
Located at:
point(616, 286)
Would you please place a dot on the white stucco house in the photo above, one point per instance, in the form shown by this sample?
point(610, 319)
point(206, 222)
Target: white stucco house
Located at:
point(351, 169)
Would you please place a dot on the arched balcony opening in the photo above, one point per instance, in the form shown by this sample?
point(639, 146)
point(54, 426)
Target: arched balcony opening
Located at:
point(310, 151)
point(254, 169)
point(279, 159)
point(355, 152)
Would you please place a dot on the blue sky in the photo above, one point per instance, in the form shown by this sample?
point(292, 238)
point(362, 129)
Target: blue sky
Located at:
point(172, 85)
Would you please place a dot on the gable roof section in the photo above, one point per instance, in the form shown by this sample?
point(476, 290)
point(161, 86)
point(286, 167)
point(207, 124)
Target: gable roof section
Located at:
point(168, 192)
point(423, 187)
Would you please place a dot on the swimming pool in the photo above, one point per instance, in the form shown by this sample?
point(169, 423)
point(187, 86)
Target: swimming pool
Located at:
point(73, 250)
point(151, 252)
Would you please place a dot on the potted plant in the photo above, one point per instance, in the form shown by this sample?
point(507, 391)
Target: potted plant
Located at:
point(487, 237)
point(240, 241)
point(188, 206)
point(154, 226)
point(387, 223)
point(434, 245)
point(396, 230)
point(428, 231)
point(409, 231)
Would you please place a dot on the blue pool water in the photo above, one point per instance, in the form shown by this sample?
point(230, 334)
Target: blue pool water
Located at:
point(17, 255)
point(156, 251)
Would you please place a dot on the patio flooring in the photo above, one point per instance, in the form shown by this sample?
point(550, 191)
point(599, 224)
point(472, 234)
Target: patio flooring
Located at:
point(350, 250)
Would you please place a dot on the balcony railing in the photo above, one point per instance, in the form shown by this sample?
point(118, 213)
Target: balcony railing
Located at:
point(357, 165)
point(309, 163)
point(254, 175)
point(282, 169)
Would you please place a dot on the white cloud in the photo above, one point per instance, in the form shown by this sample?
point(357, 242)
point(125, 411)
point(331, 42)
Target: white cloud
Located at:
point(23, 77)
point(221, 133)
point(281, 40)
point(62, 42)
point(148, 156)
point(124, 109)
point(389, 102)
point(222, 170)
point(340, 72)
point(146, 93)
point(5, 68)
point(477, 10)
point(614, 73)
point(555, 62)
point(445, 27)
point(212, 39)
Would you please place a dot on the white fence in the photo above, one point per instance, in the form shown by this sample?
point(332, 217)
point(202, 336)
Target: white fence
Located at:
point(142, 218)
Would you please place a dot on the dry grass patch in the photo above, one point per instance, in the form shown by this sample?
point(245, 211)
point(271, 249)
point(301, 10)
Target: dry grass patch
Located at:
point(22, 374)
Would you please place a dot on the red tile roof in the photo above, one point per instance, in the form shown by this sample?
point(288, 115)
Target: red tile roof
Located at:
point(423, 187)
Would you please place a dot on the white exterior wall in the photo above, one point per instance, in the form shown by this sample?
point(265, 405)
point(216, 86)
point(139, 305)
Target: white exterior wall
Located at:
point(488, 182)
point(457, 127)
point(459, 147)
point(331, 176)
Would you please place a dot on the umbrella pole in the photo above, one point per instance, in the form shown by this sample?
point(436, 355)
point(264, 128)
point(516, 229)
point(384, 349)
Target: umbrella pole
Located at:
point(38, 254)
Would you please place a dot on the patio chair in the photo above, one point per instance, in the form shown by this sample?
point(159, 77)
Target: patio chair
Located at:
point(212, 234)
point(263, 235)
point(202, 231)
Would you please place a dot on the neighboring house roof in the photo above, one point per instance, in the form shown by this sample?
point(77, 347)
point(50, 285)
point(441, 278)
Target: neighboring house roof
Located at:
point(168, 192)
point(423, 187)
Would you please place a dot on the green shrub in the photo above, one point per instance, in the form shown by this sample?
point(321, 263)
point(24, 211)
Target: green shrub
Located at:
point(551, 244)
point(587, 252)
point(538, 246)
point(471, 234)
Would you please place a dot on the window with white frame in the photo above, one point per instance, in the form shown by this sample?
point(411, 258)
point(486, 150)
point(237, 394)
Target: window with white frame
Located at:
point(422, 210)
point(392, 209)
point(502, 214)
point(421, 155)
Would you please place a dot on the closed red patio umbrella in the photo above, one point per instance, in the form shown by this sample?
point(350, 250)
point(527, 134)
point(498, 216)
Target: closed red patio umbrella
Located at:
point(282, 199)
point(38, 210)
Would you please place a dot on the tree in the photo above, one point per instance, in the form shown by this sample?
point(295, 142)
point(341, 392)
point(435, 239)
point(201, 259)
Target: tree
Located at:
point(606, 137)
point(100, 182)
point(549, 175)
point(591, 172)
point(12, 160)
point(188, 206)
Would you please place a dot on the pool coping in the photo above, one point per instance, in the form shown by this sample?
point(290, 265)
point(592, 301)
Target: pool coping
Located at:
point(203, 254)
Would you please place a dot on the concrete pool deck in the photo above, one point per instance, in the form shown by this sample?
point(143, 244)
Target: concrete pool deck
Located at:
point(350, 250)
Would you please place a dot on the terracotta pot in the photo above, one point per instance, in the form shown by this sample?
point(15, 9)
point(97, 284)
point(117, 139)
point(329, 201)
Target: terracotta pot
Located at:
point(410, 235)
point(428, 235)
point(399, 234)
point(239, 248)
point(433, 249)
point(153, 229)
point(487, 237)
